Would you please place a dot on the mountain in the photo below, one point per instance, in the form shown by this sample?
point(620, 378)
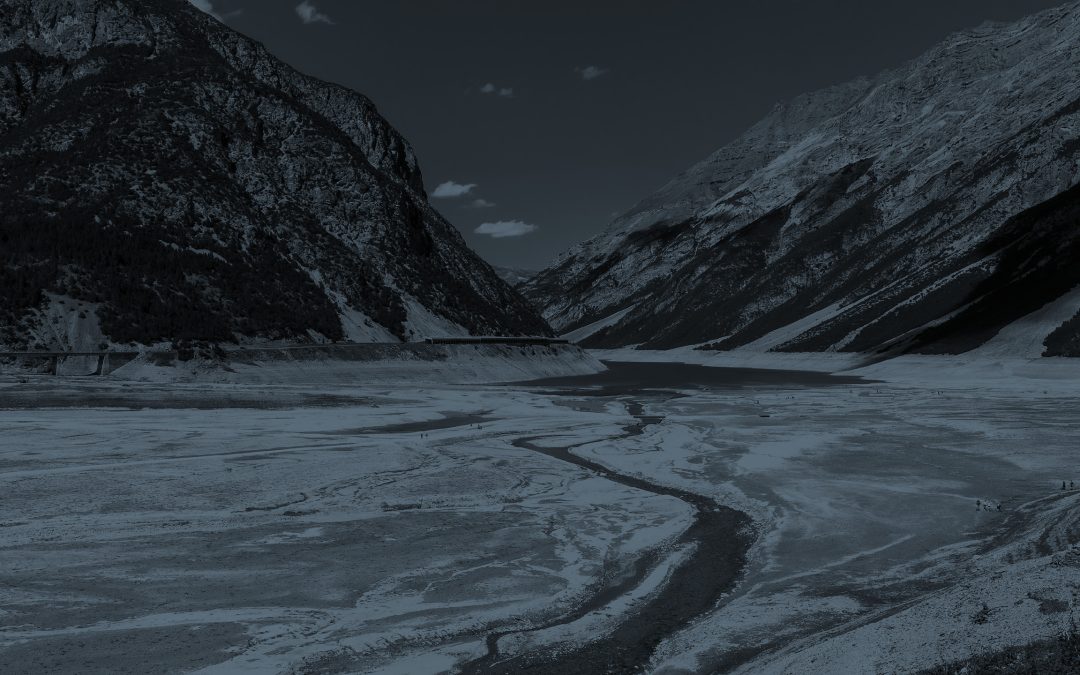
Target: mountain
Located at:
point(924, 210)
point(514, 276)
point(166, 178)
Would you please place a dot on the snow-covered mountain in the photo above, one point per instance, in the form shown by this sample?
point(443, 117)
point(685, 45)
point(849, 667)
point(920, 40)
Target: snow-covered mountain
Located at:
point(925, 209)
point(163, 177)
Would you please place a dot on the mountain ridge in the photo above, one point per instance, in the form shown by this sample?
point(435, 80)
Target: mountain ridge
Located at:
point(863, 205)
point(168, 178)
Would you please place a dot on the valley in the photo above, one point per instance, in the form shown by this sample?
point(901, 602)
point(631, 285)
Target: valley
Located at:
point(878, 519)
point(271, 401)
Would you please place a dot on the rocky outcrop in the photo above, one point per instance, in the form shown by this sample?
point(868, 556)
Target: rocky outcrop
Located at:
point(183, 183)
point(924, 209)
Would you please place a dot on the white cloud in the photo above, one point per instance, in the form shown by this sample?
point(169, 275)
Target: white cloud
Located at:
point(309, 14)
point(506, 228)
point(450, 190)
point(482, 204)
point(490, 88)
point(591, 72)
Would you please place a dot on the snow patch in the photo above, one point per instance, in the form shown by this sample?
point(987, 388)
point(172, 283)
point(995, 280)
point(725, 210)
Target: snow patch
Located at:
point(423, 323)
point(596, 326)
point(1025, 337)
point(793, 330)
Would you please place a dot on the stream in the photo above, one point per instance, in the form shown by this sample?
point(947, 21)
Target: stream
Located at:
point(719, 537)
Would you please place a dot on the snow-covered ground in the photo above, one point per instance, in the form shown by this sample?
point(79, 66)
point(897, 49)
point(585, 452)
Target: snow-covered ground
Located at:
point(392, 527)
point(282, 524)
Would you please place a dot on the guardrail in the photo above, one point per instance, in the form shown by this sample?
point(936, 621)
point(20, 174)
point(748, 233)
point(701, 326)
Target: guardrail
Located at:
point(72, 363)
point(494, 340)
point(462, 340)
point(53, 355)
point(105, 362)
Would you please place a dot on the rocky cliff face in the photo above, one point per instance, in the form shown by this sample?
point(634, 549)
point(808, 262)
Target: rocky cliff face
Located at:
point(924, 209)
point(164, 177)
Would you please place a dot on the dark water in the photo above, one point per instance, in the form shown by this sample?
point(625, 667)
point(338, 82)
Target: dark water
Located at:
point(628, 378)
point(446, 422)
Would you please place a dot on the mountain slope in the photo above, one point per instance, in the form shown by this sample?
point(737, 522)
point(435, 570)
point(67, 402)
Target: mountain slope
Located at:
point(924, 209)
point(514, 276)
point(164, 177)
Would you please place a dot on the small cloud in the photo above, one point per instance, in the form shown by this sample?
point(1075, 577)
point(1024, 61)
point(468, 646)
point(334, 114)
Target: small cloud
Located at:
point(309, 14)
point(506, 228)
point(452, 190)
point(591, 72)
point(482, 204)
point(490, 88)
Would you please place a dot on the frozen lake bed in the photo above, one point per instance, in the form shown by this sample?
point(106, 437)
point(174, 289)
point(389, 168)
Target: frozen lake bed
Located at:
point(429, 528)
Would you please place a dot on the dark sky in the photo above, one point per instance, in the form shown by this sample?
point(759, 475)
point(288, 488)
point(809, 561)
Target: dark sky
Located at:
point(564, 154)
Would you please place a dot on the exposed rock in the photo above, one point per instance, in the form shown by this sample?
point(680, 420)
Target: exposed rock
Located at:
point(173, 173)
point(923, 209)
